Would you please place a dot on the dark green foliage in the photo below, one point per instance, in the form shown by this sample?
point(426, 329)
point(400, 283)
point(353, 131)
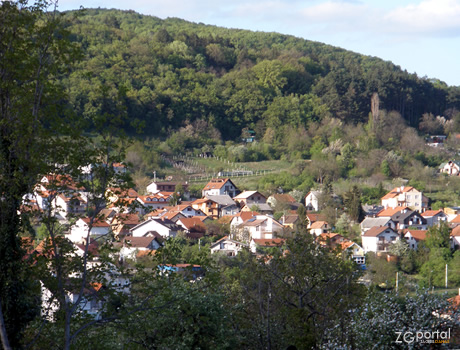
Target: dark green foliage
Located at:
point(167, 73)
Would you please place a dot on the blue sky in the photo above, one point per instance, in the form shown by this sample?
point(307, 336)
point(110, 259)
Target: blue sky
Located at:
point(420, 36)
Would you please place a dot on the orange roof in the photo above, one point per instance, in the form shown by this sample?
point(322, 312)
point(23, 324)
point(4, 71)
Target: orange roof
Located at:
point(215, 184)
point(419, 235)
point(455, 232)
point(315, 217)
point(246, 215)
point(390, 211)
point(318, 224)
point(274, 242)
point(193, 223)
point(131, 193)
point(375, 231)
point(429, 213)
point(96, 222)
point(284, 197)
point(346, 244)
point(456, 220)
point(396, 191)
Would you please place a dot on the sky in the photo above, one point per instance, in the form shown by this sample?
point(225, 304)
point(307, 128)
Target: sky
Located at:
point(420, 36)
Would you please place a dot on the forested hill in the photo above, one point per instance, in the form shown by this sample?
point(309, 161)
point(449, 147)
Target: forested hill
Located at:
point(165, 74)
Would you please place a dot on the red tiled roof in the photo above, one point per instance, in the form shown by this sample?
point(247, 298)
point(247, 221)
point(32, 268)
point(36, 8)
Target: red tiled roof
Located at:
point(318, 224)
point(390, 211)
point(375, 231)
point(455, 232)
point(96, 222)
point(274, 242)
point(456, 220)
point(396, 191)
point(430, 213)
point(419, 235)
point(215, 184)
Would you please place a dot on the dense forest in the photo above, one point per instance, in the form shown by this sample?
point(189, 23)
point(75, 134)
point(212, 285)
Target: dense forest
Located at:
point(167, 74)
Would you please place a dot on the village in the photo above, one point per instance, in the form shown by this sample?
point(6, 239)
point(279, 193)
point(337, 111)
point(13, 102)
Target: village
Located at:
point(138, 225)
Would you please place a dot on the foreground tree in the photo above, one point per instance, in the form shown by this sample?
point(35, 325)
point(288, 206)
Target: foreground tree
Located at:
point(31, 105)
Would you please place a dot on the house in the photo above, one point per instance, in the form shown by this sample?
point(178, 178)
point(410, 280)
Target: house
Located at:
point(220, 187)
point(434, 217)
point(157, 186)
point(409, 219)
point(164, 227)
point(228, 247)
point(389, 212)
point(354, 251)
point(249, 198)
point(319, 227)
point(455, 238)
point(414, 237)
point(194, 227)
point(372, 210)
point(454, 222)
point(238, 219)
point(68, 204)
point(258, 245)
point(378, 239)
point(83, 226)
point(330, 240)
point(91, 302)
point(451, 213)
point(121, 200)
point(290, 220)
point(284, 200)
point(131, 246)
point(262, 208)
point(313, 217)
point(452, 167)
point(370, 222)
point(258, 227)
point(122, 223)
point(186, 210)
point(216, 206)
point(152, 202)
point(405, 196)
point(48, 191)
point(312, 200)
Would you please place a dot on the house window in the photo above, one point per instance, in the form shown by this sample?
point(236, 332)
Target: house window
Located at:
point(393, 238)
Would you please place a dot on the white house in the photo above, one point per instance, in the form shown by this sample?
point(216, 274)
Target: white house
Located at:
point(455, 238)
point(378, 239)
point(220, 187)
point(369, 222)
point(155, 201)
point(96, 228)
point(452, 167)
point(228, 247)
point(414, 237)
point(405, 196)
point(259, 227)
point(250, 197)
point(166, 228)
point(312, 200)
point(69, 205)
point(319, 227)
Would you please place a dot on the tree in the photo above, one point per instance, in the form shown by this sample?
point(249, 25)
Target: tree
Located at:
point(352, 202)
point(31, 109)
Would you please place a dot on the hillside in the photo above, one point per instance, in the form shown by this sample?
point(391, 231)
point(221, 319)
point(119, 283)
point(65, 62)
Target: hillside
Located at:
point(167, 74)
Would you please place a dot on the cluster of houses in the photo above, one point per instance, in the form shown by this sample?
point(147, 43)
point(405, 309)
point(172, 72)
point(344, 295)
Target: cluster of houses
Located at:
point(140, 224)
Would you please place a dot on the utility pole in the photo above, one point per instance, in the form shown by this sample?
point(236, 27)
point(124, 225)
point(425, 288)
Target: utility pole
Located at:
point(397, 282)
point(446, 275)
